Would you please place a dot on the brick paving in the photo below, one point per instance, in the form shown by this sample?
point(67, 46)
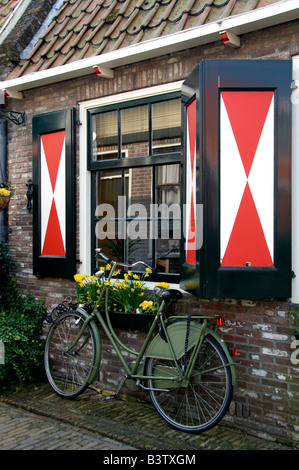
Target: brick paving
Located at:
point(34, 417)
point(24, 430)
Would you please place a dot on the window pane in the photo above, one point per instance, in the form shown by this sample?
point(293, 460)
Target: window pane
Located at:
point(166, 124)
point(139, 210)
point(140, 247)
point(135, 131)
point(104, 136)
point(111, 190)
point(110, 184)
point(141, 186)
point(168, 225)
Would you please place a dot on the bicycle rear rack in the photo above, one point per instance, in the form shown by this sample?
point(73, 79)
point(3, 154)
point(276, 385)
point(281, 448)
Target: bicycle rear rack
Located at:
point(61, 308)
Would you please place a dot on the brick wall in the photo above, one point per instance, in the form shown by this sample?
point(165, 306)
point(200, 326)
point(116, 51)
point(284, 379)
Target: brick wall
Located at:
point(266, 401)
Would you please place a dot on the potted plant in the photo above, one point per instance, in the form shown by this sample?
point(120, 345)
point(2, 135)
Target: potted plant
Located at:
point(130, 303)
point(5, 195)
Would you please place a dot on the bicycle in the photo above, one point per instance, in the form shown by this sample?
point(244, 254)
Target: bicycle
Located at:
point(187, 370)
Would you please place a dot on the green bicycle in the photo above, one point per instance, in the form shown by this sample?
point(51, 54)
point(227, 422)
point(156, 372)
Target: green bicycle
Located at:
point(187, 370)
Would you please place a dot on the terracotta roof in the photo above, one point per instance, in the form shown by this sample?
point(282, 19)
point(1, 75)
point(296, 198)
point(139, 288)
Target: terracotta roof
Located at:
point(6, 8)
point(86, 28)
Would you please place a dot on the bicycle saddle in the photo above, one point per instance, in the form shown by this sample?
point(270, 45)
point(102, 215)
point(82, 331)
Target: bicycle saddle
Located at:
point(171, 294)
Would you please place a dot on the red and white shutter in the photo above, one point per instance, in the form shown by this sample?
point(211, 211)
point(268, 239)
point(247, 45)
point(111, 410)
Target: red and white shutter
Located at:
point(242, 179)
point(54, 194)
point(247, 178)
point(191, 185)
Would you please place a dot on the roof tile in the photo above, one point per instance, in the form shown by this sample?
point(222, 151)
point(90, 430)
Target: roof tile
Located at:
point(83, 28)
point(6, 9)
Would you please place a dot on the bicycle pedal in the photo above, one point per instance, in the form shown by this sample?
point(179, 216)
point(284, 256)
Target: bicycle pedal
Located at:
point(111, 397)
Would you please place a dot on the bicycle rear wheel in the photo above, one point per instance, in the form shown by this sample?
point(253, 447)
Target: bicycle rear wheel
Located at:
point(202, 403)
point(69, 372)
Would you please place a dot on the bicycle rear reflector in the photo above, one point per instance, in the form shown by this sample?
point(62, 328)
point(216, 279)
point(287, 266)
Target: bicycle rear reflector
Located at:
point(220, 322)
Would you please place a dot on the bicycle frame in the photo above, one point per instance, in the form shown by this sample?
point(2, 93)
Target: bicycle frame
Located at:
point(153, 346)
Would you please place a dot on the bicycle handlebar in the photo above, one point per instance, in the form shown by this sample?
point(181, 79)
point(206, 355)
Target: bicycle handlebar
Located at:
point(108, 260)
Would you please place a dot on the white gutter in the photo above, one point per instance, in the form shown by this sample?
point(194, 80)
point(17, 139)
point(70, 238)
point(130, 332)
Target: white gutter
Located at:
point(280, 12)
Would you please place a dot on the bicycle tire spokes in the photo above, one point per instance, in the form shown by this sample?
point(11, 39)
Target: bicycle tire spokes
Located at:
point(69, 363)
point(200, 403)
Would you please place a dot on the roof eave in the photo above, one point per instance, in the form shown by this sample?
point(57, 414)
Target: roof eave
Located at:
point(271, 15)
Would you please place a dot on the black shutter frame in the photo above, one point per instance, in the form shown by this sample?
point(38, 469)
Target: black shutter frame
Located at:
point(209, 79)
point(55, 266)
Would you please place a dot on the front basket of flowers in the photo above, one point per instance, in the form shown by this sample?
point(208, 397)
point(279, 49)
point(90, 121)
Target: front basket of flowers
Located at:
point(131, 305)
point(5, 195)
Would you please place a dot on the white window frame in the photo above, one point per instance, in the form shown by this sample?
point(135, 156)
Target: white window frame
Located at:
point(84, 179)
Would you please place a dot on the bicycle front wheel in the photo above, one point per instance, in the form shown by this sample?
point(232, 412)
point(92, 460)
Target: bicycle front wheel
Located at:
point(69, 370)
point(199, 405)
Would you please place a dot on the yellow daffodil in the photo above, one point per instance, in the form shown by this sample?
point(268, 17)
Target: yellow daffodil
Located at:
point(146, 304)
point(4, 192)
point(165, 285)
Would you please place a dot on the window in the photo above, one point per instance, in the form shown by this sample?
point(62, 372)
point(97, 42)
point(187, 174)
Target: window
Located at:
point(134, 156)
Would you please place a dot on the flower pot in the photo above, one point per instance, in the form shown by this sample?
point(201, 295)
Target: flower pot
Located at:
point(131, 321)
point(4, 201)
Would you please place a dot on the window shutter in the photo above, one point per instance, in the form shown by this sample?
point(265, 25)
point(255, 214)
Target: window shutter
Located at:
point(241, 137)
point(54, 194)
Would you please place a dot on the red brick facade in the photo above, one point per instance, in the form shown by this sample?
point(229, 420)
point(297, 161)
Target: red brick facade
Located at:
point(266, 400)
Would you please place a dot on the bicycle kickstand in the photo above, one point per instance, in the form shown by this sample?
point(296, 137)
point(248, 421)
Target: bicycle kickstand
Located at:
point(114, 396)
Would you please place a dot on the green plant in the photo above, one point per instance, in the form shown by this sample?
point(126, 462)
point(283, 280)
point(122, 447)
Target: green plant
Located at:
point(88, 289)
point(21, 320)
point(117, 247)
point(6, 264)
point(129, 294)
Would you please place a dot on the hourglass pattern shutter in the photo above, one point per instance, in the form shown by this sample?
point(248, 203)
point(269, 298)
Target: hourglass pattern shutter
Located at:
point(54, 216)
point(247, 178)
point(243, 179)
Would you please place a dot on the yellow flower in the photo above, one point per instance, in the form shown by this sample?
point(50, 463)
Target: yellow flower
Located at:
point(116, 273)
point(148, 270)
point(4, 192)
point(79, 277)
point(165, 285)
point(135, 276)
point(146, 304)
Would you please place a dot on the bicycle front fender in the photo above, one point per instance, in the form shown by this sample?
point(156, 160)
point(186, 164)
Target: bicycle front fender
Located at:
point(160, 349)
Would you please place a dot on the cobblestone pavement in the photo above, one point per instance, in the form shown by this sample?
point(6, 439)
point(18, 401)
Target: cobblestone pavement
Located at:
point(34, 417)
point(24, 430)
